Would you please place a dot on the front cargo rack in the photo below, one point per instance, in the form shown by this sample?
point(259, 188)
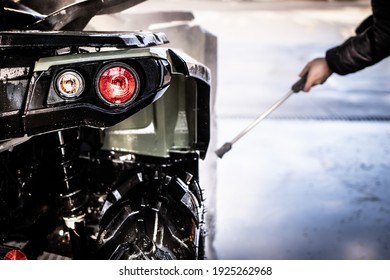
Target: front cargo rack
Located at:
point(61, 39)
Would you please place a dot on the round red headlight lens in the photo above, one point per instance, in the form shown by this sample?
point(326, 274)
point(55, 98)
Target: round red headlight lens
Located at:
point(15, 255)
point(118, 84)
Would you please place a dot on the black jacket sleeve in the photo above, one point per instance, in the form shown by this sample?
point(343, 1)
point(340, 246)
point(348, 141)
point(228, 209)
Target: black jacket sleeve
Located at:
point(368, 47)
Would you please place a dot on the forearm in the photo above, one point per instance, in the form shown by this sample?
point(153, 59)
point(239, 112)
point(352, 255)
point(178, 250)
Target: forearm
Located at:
point(367, 48)
point(353, 55)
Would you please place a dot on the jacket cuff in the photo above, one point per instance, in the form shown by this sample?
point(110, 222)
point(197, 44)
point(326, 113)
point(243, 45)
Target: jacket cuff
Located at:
point(333, 60)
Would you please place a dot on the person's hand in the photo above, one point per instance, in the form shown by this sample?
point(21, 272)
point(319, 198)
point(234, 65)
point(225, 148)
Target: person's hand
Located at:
point(317, 72)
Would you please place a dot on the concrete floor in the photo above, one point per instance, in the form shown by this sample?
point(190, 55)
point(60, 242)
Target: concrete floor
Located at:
point(305, 190)
point(310, 182)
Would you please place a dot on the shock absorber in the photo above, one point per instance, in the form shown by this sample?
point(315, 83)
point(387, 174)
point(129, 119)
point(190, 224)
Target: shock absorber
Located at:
point(72, 197)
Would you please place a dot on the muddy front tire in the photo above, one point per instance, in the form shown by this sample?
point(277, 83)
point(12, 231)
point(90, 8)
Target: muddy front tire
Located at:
point(153, 215)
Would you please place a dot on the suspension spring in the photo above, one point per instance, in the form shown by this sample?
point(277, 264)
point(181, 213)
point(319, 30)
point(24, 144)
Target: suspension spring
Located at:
point(71, 195)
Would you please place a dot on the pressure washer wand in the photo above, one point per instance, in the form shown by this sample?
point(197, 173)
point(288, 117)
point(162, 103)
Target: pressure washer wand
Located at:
point(297, 87)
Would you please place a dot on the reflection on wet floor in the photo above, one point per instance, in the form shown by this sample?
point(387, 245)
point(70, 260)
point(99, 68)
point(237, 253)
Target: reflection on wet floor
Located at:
point(307, 190)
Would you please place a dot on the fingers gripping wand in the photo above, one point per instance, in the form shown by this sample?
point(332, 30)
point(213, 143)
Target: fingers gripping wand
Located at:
point(297, 87)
